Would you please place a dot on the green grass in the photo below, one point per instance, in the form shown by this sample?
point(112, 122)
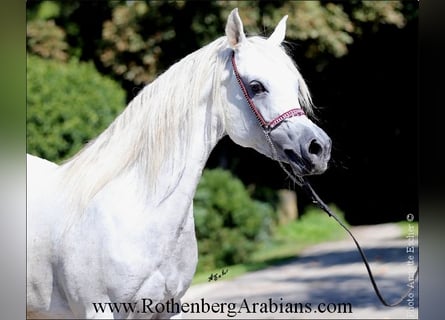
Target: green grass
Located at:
point(286, 244)
point(408, 228)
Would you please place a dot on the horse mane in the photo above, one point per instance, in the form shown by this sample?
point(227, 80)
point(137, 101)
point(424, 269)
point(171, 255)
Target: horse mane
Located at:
point(148, 131)
point(155, 129)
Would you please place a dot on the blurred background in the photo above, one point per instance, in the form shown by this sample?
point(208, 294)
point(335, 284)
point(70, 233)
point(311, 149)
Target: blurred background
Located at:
point(86, 60)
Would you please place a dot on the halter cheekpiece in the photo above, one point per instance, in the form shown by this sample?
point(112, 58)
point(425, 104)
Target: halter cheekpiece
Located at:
point(268, 126)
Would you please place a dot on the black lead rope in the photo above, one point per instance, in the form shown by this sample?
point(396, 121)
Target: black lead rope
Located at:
point(304, 184)
point(317, 201)
point(266, 126)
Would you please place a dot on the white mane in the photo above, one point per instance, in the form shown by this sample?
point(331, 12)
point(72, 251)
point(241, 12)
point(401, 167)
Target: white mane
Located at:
point(154, 131)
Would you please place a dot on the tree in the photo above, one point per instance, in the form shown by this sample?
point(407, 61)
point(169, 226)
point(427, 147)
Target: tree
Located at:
point(135, 40)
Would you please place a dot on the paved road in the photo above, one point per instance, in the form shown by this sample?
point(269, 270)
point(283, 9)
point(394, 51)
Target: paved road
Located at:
point(327, 273)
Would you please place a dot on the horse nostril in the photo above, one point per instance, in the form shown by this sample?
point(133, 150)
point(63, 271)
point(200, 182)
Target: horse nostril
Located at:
point(315, 148)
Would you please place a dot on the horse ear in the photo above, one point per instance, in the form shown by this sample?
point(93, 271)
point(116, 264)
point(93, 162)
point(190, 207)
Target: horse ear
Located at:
point(280, 31)
point(234, 29)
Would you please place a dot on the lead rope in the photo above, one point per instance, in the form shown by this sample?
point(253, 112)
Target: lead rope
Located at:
point(304, 184)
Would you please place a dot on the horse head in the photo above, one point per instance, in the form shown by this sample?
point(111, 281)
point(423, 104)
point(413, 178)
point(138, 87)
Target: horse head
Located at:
point(267, 99)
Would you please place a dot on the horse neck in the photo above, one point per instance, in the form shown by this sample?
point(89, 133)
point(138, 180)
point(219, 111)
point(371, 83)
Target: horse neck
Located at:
point(165, 135)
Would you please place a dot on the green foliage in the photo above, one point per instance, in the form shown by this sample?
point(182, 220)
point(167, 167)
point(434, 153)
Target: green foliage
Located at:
point(329, 28)
point(314, 226)
point(46, 39)
point(129, 52)
point(229, 223)
point(135, 52)
point(68, 104)
point(409, 229)
point(135, 40)
point(48, 10)
point(381, 11)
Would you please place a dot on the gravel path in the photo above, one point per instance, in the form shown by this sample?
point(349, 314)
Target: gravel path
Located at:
point(329, 273)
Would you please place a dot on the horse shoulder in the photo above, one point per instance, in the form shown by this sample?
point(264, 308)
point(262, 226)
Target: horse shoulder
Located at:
point(145, 253)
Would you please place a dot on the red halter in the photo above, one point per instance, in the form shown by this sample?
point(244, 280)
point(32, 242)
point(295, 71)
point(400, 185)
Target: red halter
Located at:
point(264, 124)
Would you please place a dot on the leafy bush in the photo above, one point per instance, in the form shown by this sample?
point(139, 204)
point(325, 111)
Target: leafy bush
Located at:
point(314, 226)
point(68, 104)
point(229, 223)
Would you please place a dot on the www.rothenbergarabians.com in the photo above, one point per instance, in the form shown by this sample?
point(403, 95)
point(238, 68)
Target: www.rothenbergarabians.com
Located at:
point(230, 309)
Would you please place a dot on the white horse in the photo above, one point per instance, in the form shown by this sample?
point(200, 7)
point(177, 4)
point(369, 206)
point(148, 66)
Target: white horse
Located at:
point(115, 222)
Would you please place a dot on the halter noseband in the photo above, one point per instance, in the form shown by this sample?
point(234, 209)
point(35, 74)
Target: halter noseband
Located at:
point(268, 126)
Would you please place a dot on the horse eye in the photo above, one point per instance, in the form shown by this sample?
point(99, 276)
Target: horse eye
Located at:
point(256, 87)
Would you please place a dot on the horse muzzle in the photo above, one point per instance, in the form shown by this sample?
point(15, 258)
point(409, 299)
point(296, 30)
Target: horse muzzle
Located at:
point(308, 151)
